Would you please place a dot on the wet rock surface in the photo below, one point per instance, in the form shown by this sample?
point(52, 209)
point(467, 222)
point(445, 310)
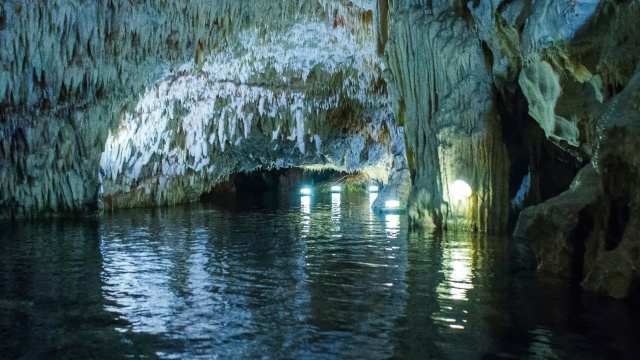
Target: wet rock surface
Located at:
point(591, 231)
point(558, 228)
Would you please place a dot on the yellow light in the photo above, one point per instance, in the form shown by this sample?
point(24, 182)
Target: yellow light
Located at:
point(460, 190)
point(305, 191)
point(373, 188)
point(336, 188)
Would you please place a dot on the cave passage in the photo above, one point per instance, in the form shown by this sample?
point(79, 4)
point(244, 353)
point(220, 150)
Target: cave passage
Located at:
point(288, 180)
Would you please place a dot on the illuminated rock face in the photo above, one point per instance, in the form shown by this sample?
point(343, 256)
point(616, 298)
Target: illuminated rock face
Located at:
point(303, 96)
point(446, 103)
point(501, 93)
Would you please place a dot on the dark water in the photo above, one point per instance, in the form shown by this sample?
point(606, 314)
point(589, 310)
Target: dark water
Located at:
point(287, 278)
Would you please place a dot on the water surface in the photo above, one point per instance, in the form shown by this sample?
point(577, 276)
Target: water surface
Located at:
point(287, 277)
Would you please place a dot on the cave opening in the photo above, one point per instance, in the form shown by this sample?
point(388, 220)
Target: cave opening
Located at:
point(287, 180)
point(539, 169)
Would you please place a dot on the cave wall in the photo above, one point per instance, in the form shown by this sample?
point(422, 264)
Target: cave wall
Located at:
point(516, 98)
point(588, 234)
point(69, 68)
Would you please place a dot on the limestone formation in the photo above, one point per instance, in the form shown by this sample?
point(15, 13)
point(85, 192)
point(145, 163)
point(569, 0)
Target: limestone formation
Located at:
point(558, 229)
point(399, 184)
point(445, 97)
point(298, 98)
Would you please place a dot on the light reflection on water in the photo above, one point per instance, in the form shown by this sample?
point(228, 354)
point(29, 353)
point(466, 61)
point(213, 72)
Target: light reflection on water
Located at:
point(393, 225)
point(335, 206)
point(458, 270)
point(372, 198)
point(335, 214)
point(300, 277)
point(305, 209)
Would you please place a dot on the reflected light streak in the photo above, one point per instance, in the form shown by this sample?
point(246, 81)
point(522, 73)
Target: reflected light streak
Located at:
point(305, 204)
point(335, 210)
point(373, 188)
point(453, 290)
point(305, 209)
point(335, 206)
point(460, 278)
point(372, 198)
point(393, 225)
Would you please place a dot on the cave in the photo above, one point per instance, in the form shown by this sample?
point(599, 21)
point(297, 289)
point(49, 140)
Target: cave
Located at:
point(319, 179)
point(288, 180)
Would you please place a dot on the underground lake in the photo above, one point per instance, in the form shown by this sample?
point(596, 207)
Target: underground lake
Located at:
point(288, 276)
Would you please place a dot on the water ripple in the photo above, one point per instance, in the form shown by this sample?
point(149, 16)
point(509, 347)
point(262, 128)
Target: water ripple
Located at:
point(305, 277)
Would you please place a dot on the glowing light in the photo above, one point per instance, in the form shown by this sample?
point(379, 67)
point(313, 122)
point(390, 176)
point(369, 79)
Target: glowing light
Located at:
point(460, 190)
point(461, 276)
point(336, 188)
point(305, 191)
point(373, 188)
point(392, 204)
